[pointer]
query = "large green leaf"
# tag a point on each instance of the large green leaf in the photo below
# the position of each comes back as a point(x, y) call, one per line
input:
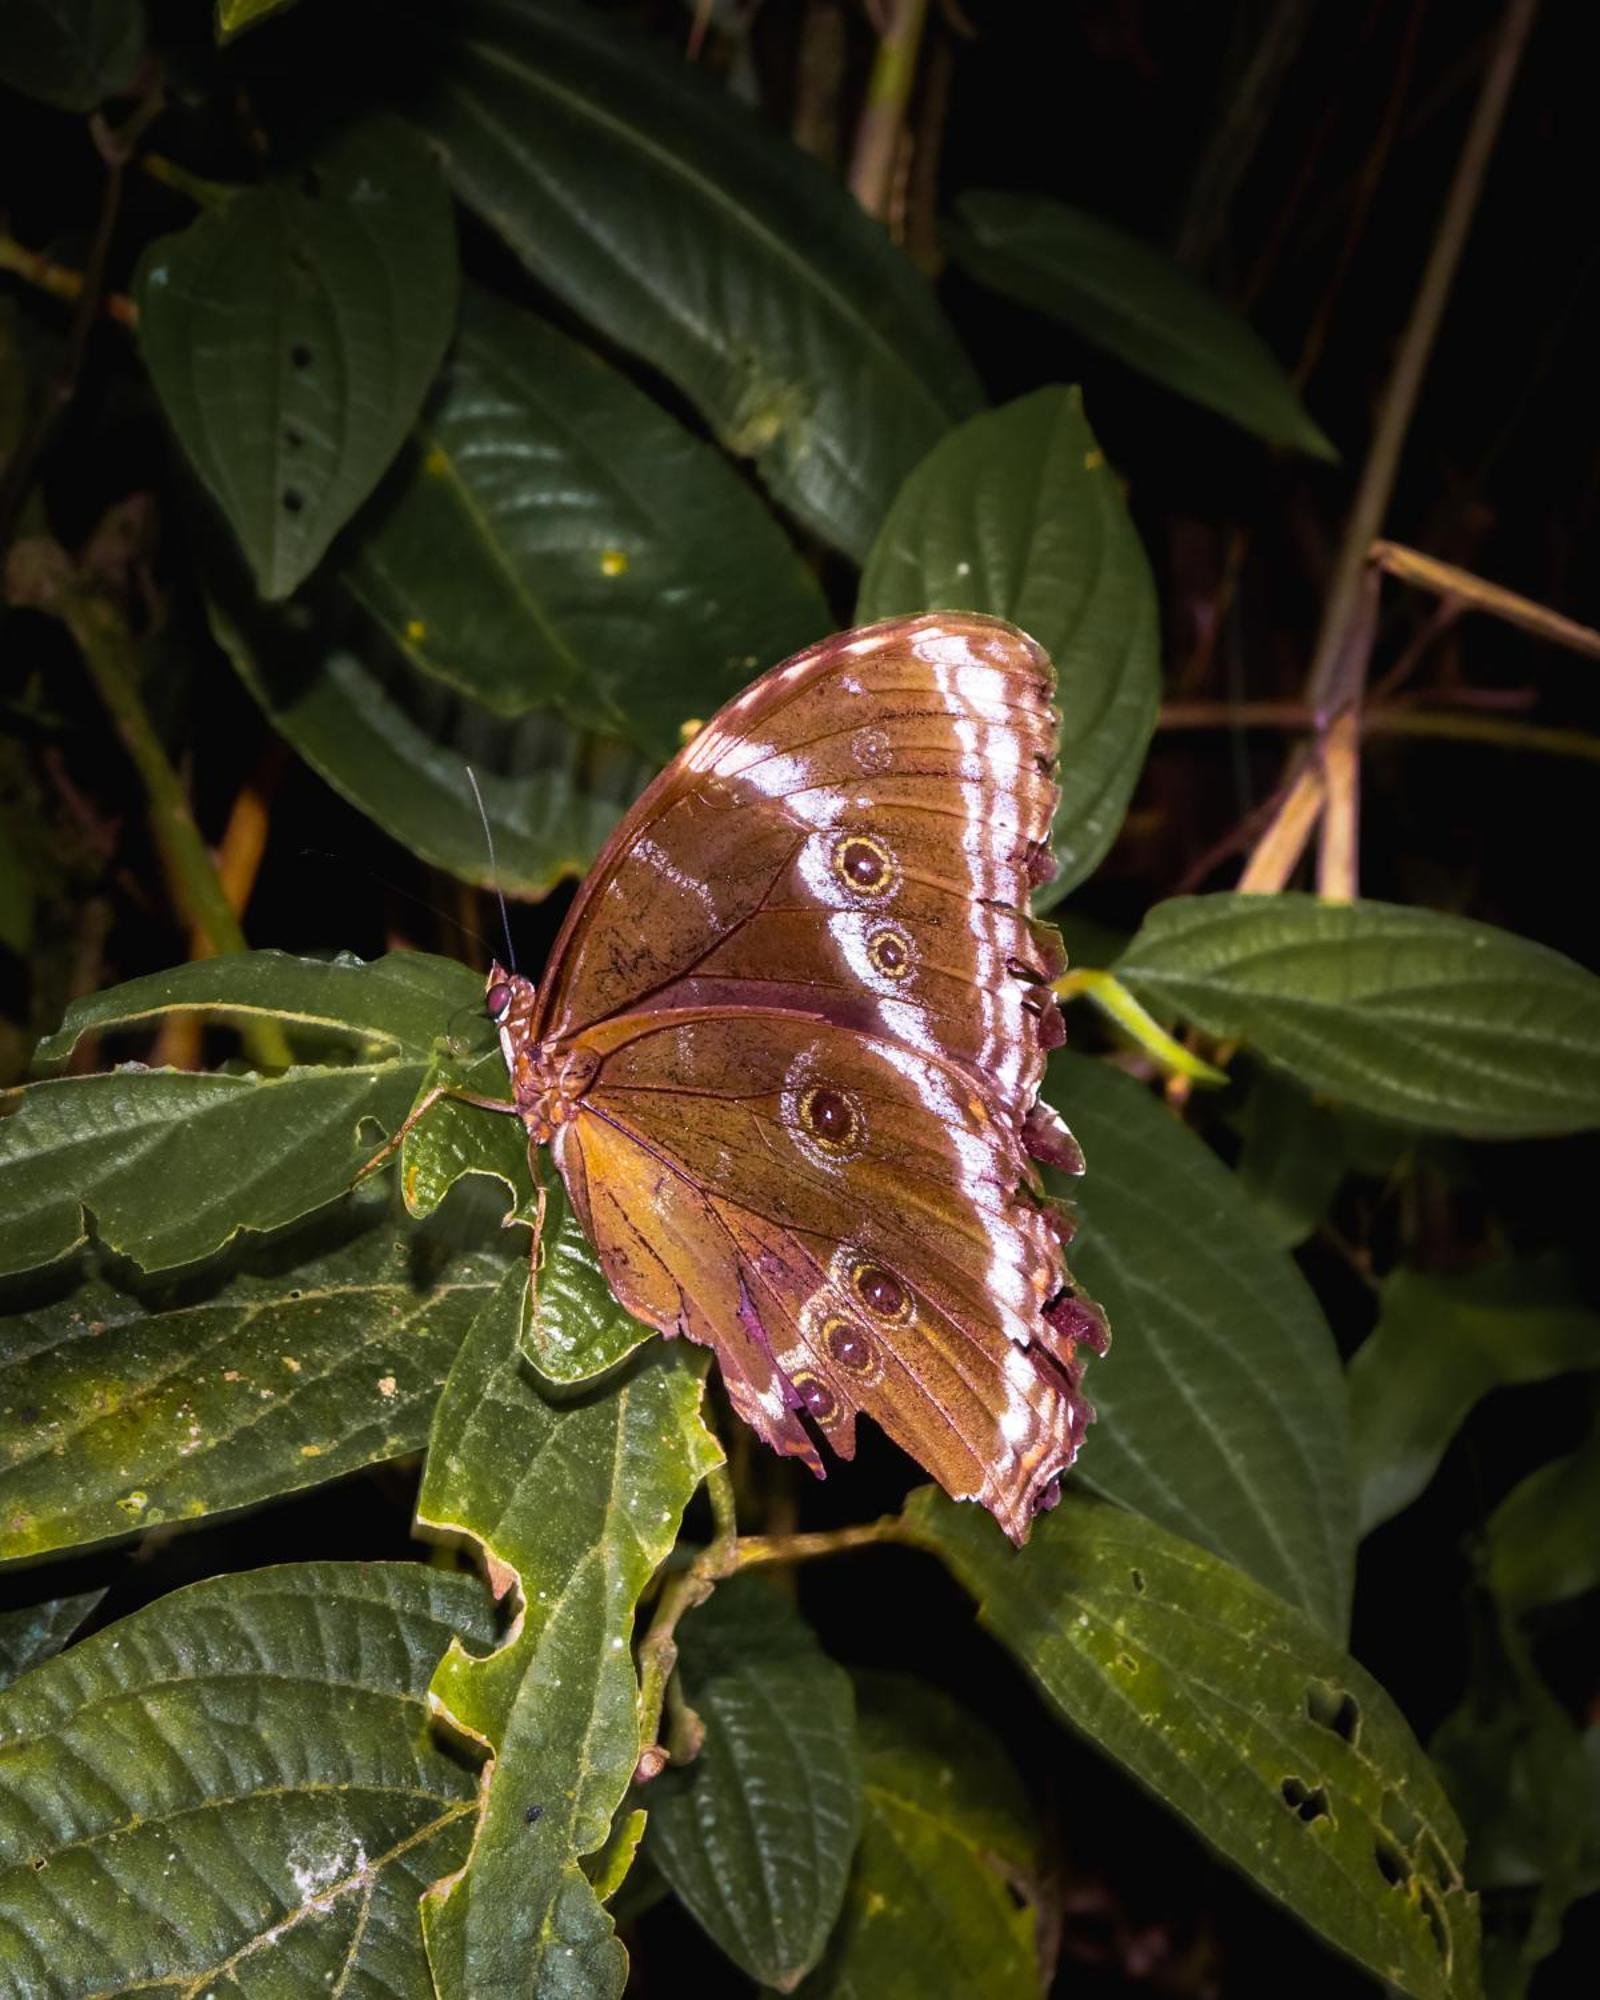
point(1220, 1405)
point(1238, 1712)
point(756, 1835)
point(1430, 1019)
point(938, 1899)
point(1018, 514)
point(1292, 1157)
point(398, 746)
point(1129, 299)
point(292, 334)
point(660, 209)
point(171, 1164)
point(1543, 1543)
point(401, 1001)
point(573, 1506)
point(1441, 1344)
point(236, 1789)
point(551, 538)
point(38, 1632)
point(126, 1407)
point(1526, 1783)
point(70, 53)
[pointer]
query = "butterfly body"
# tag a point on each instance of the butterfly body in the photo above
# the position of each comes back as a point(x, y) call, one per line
point(788, 1050)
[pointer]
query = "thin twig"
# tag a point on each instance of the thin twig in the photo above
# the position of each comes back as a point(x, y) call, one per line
point(1277, 853)
point(1326, 691)
point(658, 1649)
point(894, 68)
point(1462, 588)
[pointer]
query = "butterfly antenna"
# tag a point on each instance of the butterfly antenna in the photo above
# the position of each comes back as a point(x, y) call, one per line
point(494, 869)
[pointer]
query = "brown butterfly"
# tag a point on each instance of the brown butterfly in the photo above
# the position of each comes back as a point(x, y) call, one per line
point(788, 1049)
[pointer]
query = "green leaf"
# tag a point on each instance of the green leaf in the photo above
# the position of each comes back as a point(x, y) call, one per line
point(1526, 1783)
point(939, 1897)
point(700, 239)
point(127, 1406)
point(551, 538)
point(38, 1632)
point(234, 17)
point(171, 1164)
point(397, 746)
point(1220, 1405)
point(1442, 1343)
point(1542, 1544)
point(576, 1331)
point(756, 1835)
point(1239, 1713)
point(16, 893)
point(1291, 1160)
point(71, 53)
point(237, 1784)
point(1018, 514)
point(1138, 305)
point(574, 1506)
point(401, 1002)
point(1432, 1020)
point(292, 333)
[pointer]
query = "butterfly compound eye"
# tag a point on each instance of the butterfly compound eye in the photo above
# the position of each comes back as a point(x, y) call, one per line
point(498, 1001)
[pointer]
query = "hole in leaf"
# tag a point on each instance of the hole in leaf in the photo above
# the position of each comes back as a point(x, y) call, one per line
point(1309, 1801)
point(300, 355)
point(1392, 1864)
point(39, 1861)
point(293, 500)
point(1334, 1709)
point(1435, 1864)
point(1136, 1578)
point(293, 438)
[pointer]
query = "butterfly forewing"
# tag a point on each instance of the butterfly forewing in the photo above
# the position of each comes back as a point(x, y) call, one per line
point(820, 1014)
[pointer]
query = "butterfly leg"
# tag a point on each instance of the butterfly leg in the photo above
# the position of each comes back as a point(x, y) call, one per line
point(398, 1137)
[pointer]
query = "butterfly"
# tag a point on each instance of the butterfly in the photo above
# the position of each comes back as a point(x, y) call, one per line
point(787, 1053)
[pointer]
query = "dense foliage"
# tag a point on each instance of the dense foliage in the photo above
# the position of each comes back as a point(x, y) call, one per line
point(389, 391)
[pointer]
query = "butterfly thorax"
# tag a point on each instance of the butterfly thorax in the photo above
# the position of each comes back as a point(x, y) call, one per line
point(548, 1078)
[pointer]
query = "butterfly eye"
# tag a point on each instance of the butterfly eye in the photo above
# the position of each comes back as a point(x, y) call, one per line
point(498, 1001)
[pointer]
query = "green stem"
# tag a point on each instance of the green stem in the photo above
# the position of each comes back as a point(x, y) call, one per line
point(107, 646)
point(754, 1549)
point(205, 193)
point(1115, 1001)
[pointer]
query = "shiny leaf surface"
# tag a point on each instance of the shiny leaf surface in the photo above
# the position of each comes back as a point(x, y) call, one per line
point(575, 1521)
point(1220, 1405)
point(700, 239)
point(1442, 1343)
point(236, 1786)
point(1433, 1020)
point(1138, 305)
point(292, 333)
point(939, 1896)
point(1017, 513)
point(1242, 1716)
point(756, 1835)
point(552, 539)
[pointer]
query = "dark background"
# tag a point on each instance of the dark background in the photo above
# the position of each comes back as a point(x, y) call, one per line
point(1115, 106)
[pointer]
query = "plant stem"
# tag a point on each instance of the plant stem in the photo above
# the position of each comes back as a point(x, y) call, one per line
point(883, 116)
point(1437, 724)
point(1325, 689)
point(658, 1649)
point(102, 635)
point(757, 1549)
point(1277, 853)
point(1460, 587)
point(204, 193)
point(1118, 1004)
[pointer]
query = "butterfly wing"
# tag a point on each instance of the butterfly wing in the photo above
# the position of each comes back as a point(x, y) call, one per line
point(851, 1226)
point(831, 881)
point(855, 835)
